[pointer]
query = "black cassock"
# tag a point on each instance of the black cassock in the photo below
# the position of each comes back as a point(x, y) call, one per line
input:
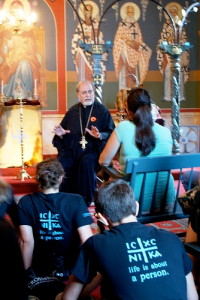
point(80, 165)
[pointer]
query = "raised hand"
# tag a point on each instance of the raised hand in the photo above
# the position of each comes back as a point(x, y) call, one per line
point(94, 131)
point(59, 131)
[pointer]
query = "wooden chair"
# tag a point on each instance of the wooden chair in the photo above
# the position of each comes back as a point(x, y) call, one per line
point(176, 164)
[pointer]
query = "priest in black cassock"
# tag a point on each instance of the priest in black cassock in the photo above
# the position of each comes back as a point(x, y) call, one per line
point(79, 139)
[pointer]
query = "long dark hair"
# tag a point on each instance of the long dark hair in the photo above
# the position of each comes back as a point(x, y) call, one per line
point(139, 103)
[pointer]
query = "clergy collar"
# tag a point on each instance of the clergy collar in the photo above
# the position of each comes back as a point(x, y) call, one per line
point(85, 106)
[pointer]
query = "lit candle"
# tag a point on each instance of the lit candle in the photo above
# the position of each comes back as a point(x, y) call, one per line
point(35, 86)
point(1, 87)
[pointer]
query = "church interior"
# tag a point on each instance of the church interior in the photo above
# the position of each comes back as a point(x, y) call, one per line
point(118, 45)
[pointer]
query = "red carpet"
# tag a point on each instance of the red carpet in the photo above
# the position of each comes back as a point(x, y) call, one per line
point(175, 226)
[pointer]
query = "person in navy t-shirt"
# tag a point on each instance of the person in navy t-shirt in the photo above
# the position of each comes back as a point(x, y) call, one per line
point(135, 261)
point(53, 225)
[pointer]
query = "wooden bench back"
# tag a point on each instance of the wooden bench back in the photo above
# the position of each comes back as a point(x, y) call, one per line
point(167, 164)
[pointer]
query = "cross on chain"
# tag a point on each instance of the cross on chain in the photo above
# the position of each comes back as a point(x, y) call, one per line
point(83, 142)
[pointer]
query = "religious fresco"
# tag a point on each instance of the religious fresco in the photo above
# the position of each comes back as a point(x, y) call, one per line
point(22, 56)
point(87, 32)
point(28, 56)
point(149, 22)
point(45, 40)
point(135, 57)
point(130, 54)
point(167, 34)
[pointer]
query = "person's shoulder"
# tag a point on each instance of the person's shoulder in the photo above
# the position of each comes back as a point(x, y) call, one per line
point(69, 196)
point(99, 238)
point(73, 108)
point(125, 124)
point(107, 237)
point(168, 235)
point(163, 236)
point(100, 108)
point(28, 198)
point(70, 116)
point(161, 128)
point(99, 105)
point(25, 198)
point(73, 199)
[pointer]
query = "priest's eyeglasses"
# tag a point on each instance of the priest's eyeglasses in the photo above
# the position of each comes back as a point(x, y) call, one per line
point(86, 92)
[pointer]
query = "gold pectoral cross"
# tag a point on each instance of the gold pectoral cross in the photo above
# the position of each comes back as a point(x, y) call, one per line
point(83, 142)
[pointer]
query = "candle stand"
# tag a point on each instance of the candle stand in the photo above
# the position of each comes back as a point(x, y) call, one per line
point(175, 51)
point(22, 174)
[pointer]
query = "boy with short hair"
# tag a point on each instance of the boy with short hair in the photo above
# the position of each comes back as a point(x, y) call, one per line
point(136, 261)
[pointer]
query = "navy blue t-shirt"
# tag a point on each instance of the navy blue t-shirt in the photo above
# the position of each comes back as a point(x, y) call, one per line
point(54, 219)
point(136, 262)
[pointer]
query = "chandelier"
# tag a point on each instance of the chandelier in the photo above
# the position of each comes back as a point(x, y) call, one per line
point(17, 17)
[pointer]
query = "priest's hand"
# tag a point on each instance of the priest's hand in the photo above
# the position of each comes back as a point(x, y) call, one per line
point(59, 131)
point(94, 132)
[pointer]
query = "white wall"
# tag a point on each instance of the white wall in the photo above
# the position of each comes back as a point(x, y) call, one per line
point(49, 121)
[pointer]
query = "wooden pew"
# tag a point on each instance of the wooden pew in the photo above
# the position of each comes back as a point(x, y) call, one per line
point(156, 165)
